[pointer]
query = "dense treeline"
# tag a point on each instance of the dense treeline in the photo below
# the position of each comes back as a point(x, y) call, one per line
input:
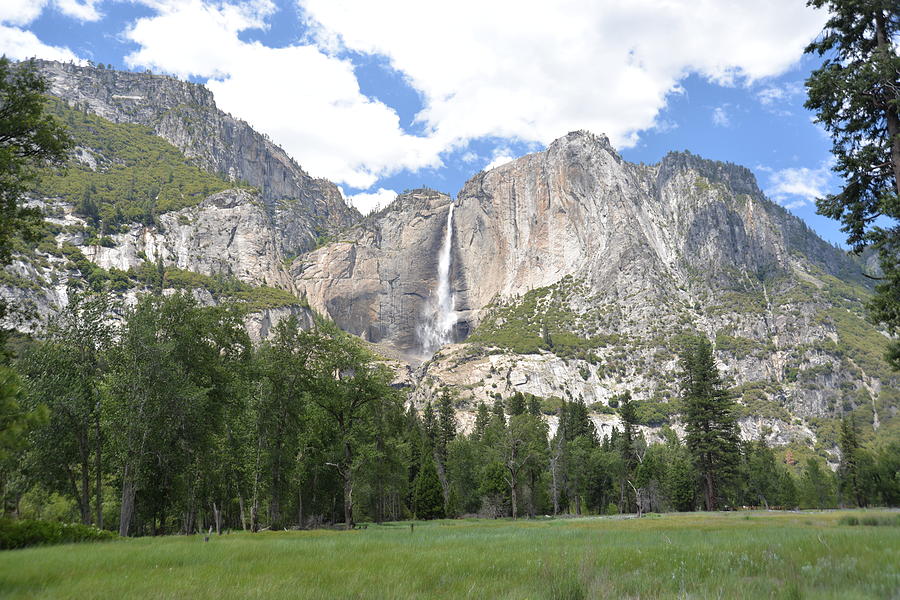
point(167, 419)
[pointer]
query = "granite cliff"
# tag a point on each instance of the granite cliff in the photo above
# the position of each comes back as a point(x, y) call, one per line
point(570, 273)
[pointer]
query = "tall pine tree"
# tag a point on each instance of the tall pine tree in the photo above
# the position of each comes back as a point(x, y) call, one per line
point(708, 413)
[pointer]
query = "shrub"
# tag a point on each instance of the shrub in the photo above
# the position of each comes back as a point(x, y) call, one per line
point(22, 534)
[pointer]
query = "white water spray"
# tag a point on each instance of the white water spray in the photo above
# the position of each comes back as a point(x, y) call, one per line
point(440, 316)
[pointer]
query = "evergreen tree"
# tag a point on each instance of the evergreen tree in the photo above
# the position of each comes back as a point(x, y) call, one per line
point(815, 486)
point(446, 423)
point(482, 418)
point(429, 425)
point(849, 469)
point(29, 139)
point(534, 405)
point(710, 423)
point(856, 97)
point(516, 404)
point(429, 495)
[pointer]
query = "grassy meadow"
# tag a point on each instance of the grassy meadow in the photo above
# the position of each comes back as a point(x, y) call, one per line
point(699, 555)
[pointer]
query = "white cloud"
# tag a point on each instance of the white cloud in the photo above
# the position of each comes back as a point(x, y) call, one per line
point(20, 12)
point(774, 94)
point(523, 70)
point(371, 201)
point(796, 187)
point(720, 117)
point(501, 156)
point(19, 45)
point(533, 70)
point(83, 10)
point(305, 99)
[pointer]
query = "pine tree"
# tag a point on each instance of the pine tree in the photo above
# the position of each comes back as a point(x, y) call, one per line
point(856, 97)
point(534, 405)
point(429, 497)
point(516, 404)
point(482, 418)
point(446, 426)
point(848, 470)
point(708, 413)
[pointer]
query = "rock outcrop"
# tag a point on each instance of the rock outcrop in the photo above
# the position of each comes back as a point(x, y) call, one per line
point(594, 267)
point(185, 115)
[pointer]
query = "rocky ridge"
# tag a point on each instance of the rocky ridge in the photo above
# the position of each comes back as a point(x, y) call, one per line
point(185, 114)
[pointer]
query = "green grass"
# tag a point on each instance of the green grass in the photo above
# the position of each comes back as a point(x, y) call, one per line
point(736, 555)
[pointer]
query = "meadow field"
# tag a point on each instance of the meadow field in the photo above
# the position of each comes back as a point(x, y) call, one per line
point(695, 555)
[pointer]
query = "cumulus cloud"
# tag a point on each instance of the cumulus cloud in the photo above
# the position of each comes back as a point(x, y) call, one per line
point(501, 156)
point(306, 99)
point(720, 117)
point(20, 12)
point(368, 202)
point(533, 70)
point(521, 70)
point(796, 187)
point(20, 44)
point(84, 10)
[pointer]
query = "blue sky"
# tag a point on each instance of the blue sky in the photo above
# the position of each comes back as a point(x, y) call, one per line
point(385, 96)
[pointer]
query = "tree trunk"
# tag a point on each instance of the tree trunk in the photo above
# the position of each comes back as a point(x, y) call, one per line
point(98, 467)
point(348, 498)
point(127, 508)
point(710, 491)
point(243, 513)
point(217, 517)
point(300, 507)
point(554, 478)
point(85, 502)
point(532, 485)
point(347, 473)
point(512, 492)
point(442, 477)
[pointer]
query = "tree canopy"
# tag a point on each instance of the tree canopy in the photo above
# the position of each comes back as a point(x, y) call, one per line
point(856, 97)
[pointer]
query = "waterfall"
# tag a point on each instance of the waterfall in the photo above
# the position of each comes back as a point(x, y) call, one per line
point(440, 316)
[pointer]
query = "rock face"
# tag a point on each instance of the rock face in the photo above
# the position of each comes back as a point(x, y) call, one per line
point(378, 280)
point(614, 261)
point(185, 115)
point(228, 234)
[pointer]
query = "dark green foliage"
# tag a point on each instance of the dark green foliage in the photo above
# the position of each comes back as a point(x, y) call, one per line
point(64, 373)
point(857, 472)
point(856, 97)
point(137, 175)
point(22, 534)
point(482, 418)
point(708, 413)
point(516, 405)
point(446, 425)
point(429, 498)
point(681, 483)
point(816, 486)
